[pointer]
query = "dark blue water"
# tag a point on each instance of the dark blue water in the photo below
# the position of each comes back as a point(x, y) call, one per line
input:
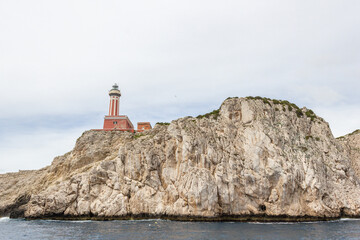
point(159, 229)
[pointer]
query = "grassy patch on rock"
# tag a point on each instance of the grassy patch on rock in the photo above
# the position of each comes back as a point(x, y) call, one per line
point(310, 114)
point(214, 114)
point(350, 134)
point(138, 135)
point(285, 105)
point(163, 123)
point(355, 132)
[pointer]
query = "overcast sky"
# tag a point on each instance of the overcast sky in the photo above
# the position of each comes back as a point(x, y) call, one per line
point(58, 59)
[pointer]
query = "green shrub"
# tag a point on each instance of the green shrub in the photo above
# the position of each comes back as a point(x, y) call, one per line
point(354, 132)
point(215, 114)
point(254, 98)
point(294, 106)
point(276, 101)
point(136, 136)
point(163, 123)
point(266, 101)
point(299, 113)
point(304, 149)
point(284, 103)
point(310, 114)
point(231, 98)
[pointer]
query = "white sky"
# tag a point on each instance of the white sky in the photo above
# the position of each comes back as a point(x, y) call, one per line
point(58, 59)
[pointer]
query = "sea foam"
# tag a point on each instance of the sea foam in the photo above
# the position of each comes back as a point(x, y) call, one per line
point(4, 219)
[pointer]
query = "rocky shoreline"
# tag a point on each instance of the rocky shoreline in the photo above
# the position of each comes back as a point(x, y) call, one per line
point(253, 159)
point(225, 218)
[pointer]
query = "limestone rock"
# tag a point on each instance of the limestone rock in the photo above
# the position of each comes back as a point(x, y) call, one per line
point(351, 144)
point(253, 157)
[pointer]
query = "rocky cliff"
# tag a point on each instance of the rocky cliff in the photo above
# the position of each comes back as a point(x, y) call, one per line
point(351, 144)
point(253, 159)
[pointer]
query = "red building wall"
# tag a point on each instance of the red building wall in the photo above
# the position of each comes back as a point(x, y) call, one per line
point(118, 123)
point(142, 126)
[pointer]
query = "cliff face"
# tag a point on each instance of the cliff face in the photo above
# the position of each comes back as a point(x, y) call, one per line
point(351, 144)
point(252, 157)
point(14, 189)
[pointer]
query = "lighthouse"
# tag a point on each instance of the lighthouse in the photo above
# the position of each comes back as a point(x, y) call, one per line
point(114, 105)
point(114, 121)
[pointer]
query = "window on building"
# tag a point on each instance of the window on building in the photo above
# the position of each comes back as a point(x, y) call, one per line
point(114, 122)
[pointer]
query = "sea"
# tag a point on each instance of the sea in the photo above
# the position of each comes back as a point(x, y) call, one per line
point(164, 229)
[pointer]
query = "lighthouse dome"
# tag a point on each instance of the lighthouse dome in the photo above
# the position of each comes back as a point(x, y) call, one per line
point(115, 90)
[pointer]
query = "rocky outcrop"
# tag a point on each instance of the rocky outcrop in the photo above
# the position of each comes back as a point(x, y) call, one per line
point(14, 189)
point(351, 144)
point(251, 159)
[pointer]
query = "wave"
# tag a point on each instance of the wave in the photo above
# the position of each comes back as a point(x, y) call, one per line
point(82, 221)
point(305, 222)
point(4, 219)
point(115, 220)
point(63, 220)
point(349, 219)
point(263, 223)
point(147, 220)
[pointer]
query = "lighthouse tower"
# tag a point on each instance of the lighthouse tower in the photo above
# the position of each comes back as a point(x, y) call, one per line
point(114, 121)
point(114, 105)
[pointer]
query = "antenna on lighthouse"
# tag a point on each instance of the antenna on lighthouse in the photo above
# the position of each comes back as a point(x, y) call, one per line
point(115, 86)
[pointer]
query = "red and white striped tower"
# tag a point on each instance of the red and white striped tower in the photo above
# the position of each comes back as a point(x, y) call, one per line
point(114, 105)
point(114, 121)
